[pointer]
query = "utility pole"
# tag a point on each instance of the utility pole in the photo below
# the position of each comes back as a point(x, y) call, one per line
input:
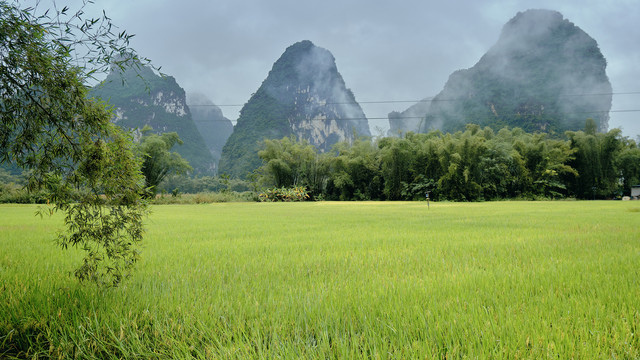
point(427, 200)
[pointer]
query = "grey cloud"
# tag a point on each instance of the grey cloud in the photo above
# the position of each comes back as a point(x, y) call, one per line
point(385, 50)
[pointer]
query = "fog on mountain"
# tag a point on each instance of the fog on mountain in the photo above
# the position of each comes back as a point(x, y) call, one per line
point(544, 74)
point(303, 96)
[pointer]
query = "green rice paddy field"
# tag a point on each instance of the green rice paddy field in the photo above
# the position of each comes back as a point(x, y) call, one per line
point(379, 280)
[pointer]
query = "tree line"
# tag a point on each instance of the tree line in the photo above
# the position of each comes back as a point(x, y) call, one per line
point(471, 165)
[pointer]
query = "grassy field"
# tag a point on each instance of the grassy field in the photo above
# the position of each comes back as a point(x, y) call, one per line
point(337, 280)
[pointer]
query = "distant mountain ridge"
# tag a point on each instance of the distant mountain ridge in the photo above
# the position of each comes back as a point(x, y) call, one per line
point(213, 126)
point(303, 96)
point(141, 97)
point(409, 120)
point(540, 76)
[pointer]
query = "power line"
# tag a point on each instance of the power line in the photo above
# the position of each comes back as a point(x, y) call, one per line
point(422, 117)
point(426, 100)
point(603, 94)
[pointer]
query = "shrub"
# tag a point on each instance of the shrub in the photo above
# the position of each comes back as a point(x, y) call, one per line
point(204, 198)
point(16, 194)
point(298, 193)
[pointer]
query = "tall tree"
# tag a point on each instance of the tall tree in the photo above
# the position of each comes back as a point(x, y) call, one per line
point(157, 159)
point(628, 162)
point(595, 162)
point(395, 157)
point(290, 163)
point(50, 126)
point(355, 171)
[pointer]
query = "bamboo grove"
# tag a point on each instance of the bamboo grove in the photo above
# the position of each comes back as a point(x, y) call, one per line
point(472, 165)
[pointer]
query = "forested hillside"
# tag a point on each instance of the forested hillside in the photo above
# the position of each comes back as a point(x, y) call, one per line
point(304, 95)
point(141, 97)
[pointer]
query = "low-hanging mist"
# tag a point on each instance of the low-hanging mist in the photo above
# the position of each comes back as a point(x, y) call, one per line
point(543, 74)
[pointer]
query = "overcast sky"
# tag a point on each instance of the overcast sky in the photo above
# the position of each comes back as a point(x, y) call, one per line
point(385, 50)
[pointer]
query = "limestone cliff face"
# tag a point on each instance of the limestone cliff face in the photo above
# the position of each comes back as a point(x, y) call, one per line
point(140, 97)
point(169, 102)
point(303, 96)
point(325, 119)
point(543, 74)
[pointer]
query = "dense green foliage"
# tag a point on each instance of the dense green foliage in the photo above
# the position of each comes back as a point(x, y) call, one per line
point(143, 98)
point(200, 184)
point(49, 126)
point(544, 74)
point(331, 280)
point(299, 193)
point(304, 95)
point(477, 164)
point(288, 163)
point(204, 198)
point(157, 159)
point(12, 190)
point(261, 117)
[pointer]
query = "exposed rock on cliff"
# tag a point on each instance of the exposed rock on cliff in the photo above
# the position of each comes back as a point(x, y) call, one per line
point(304, 96)
point(140, 97)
